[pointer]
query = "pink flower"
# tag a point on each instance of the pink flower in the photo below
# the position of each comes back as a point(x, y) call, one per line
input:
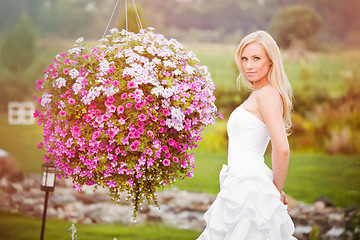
point(111, 184)
point(71, 101)
point(164, 148)
point(166, 112)
point(166, 162)
point(111, 108)
point(131, 84)
point(149, 98)
point(77, 170)
point(62, 113)
point(93, 104)
point(86, 56)
point(134, 145)
point(120, 109)
point(171, 142)
point(110, 99)
point(150, 134)
point(123, 96)
point(95, 135)
point(75, 131)
point(77, 187)
point(142, 117)
point(115, 83)
point(111, 69)
point(138, 106)
point(190, 174)
point(150, 162)
point(220, 116)
point(131, 182)
point(66, 71)
point(39, 82)
point(167, 155)
point(175, 159)
point(128, 105)
point(184, 164)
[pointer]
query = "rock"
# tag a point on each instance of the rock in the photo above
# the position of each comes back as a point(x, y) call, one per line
point(326, 201)
point(16, 176)
point(303, 230)
point(27, 205)
point(320, 206)
point(8, 165)
point(334, 233)
point(336, 217)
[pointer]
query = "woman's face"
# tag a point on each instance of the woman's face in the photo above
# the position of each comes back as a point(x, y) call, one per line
point(255, 62)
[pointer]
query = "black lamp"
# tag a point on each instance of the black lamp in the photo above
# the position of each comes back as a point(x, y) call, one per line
point(47, 185)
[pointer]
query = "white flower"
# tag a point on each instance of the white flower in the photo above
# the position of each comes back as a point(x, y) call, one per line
point(104, 66)
point(76, 88)
point(45, 99)
point(157, 90)
point(60, 82)
point(74, 73)
point(114, 30)
point(79, 40)
point(139, 49)
point(61, 104)
point(177, 72)
point(75, 50)
point(168, 63)
point(189, 69)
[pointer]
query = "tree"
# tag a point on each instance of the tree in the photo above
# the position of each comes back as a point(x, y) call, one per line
point(293, 24)
point(18, 46)
point(133, 22)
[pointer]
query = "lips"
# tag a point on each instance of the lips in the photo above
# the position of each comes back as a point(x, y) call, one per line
point(250, 73)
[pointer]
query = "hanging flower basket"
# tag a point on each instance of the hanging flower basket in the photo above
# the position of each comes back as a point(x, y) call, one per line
point(125, 113)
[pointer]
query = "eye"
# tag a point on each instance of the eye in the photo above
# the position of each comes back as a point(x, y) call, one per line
point(256, 58)
point(243, 58)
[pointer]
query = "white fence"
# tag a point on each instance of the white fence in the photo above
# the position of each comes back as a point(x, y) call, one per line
point(21, 113)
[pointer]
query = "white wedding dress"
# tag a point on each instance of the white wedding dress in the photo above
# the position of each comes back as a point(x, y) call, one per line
point(248, 205)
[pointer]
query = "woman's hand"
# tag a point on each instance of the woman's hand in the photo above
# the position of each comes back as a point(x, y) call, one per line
point(284, 199)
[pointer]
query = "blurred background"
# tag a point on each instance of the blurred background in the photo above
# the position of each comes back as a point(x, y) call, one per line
point(320, 45)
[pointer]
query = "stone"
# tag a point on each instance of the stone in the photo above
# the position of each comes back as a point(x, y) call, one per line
point(27, 205)
point(336, 217)
point(8, 165)
point(303, 230)
point(320, 206)
point(334, 233)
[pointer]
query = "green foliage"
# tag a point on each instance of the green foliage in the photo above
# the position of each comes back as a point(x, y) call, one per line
point(293, 23)
point(132, 19)
point(314, 234)
point(18, 46)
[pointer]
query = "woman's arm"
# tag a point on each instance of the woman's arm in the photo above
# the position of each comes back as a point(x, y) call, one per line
point(270, 107)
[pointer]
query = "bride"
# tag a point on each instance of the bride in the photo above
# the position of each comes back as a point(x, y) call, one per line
point(251, 204)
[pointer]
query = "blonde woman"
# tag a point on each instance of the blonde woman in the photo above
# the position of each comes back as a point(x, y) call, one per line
point(251, 204)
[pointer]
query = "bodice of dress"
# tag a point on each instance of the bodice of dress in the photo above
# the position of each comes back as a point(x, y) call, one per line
point(248, 137)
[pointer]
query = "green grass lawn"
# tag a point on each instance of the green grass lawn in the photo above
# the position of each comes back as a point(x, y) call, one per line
point(15, 226)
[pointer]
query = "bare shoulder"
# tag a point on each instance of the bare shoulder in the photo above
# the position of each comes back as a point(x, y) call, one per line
point(268, 96)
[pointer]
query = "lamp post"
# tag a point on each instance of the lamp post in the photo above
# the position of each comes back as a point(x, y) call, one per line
point(47, 185)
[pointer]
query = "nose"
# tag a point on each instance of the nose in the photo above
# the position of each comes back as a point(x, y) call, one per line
point(249, 64)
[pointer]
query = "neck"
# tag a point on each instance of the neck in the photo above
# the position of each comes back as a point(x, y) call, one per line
point(259, 84)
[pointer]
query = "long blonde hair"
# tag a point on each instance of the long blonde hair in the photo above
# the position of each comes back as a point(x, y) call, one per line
point(276, 75)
